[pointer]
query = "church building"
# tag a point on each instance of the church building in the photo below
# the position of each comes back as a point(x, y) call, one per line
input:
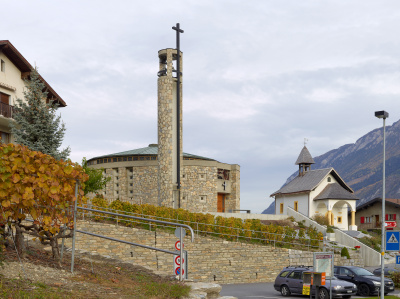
point(162, 174)
point(317, 192)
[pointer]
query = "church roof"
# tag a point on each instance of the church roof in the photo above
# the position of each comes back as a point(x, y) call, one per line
point(305, 157)
point(309, 181)
point(335, 191)
point(151, 150)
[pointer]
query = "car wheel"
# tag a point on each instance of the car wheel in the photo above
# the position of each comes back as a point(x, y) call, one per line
point(285, 290)
point(323, 294)
point(363, 290)
point(385, 294)
point(346, 297)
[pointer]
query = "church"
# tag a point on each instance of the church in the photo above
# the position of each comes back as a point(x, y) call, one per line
point(317, 192)
point(162, 174)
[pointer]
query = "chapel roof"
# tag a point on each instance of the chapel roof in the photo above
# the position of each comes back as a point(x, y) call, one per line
point(304, 157)
point(335, 191)
point(309, 181)
point(25, 68)
point(151, 150)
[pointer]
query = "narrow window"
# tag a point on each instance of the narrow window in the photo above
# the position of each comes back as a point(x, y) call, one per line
point(281, 208)
point(296, 206)
point(339, 219)
point(329, 179)
point(3, 66)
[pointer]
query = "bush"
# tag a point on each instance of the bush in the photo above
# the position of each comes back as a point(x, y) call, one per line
point(345, 252)
point(330, 229)
point(321, 219)
point(395, 276)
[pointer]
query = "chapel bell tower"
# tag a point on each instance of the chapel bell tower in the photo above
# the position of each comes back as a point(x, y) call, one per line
point(169, 118)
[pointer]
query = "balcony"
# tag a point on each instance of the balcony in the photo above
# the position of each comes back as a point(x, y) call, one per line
point(6, 110)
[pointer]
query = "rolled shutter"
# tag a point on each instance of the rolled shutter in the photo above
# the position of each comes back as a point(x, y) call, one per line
point(362, 219)
point(394, 216)
point(387, 217)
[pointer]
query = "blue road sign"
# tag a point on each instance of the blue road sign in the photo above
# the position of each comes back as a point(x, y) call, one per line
point(397, 259)
point(392, 241)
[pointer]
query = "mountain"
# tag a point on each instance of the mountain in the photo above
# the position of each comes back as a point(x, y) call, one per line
point(360, 165)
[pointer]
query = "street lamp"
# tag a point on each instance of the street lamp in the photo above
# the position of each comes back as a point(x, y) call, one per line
point(383, 114)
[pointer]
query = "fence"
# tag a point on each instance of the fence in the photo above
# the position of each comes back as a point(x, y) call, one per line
point(230, 233)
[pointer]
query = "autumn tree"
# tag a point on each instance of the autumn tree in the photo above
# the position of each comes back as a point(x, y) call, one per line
point(36, 185)
point(96, 179)
point(36, 123)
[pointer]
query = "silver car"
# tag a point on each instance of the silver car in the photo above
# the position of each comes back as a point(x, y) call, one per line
point(290, 281)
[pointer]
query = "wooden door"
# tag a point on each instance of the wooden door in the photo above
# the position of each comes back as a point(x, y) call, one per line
point(4, 104)
point(221, 203)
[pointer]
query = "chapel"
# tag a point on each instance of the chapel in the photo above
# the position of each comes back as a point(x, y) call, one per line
point(317, 192)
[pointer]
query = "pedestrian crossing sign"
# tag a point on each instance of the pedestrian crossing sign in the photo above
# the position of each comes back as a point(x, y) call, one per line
point(392, 240)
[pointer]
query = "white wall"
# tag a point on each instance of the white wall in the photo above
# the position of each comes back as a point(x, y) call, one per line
point(288, 201)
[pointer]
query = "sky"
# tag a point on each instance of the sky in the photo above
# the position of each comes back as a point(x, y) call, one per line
point(258, 76)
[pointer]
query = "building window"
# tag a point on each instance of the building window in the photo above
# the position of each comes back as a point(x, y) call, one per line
point(281, 208)
point(3, 66)
point(131, 191)
point(202, 198)
point(223, 174)
point(131, 184)
point(339, 219)
point(329, 179)
point(202, 176)
point(184, 176)
point(131, 177)
point(5, 137)
point(115, 159)
point(296, 206)
point(390, 217)
point(129, 158)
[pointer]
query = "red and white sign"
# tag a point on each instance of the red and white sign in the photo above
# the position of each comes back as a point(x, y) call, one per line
point(178, 260)
point(178, 245)
point(177, 270)
point(390, 224)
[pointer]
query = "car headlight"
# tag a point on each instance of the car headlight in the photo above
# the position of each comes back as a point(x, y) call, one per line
point(354, 286)
point(337, 287)
point(376, 283)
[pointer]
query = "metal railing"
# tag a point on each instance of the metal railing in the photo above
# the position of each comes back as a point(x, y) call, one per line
point(6, 110)
point(204, 229)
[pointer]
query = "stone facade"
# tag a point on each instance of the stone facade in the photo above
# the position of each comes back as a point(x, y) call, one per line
point(137, 182)
point(209, 259)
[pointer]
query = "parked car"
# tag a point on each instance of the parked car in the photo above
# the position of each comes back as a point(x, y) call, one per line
point(367, 283)
point(290, 281)
point(386, 271)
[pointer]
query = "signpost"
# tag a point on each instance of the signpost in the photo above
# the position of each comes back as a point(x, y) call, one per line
point(180, 268)
point(392, 240)
point(323, 262)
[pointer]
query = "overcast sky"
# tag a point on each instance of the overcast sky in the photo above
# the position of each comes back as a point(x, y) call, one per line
point(258, 76)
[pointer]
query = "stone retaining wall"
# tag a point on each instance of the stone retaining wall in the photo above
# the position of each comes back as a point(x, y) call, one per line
point(210, 259)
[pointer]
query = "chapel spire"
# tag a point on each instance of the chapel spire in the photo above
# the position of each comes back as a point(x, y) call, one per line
point(304, 161)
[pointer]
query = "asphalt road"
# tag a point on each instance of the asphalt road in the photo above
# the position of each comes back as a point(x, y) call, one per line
point(261, 290)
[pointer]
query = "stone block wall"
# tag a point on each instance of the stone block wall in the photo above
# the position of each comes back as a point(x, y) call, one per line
point(209, 259)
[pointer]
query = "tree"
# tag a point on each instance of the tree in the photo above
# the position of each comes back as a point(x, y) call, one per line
point(37, 185)
point(96, 179)
point(36, 124)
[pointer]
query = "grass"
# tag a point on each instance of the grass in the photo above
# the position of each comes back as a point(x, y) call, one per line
point(95, 278)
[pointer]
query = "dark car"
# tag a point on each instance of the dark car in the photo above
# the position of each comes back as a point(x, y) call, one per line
point(387, 271)
point(290, 281)
point(367, 283)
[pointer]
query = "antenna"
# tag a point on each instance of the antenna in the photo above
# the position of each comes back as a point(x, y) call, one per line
point(305, 141)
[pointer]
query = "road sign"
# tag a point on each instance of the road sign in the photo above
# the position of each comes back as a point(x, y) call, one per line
point(397, 259)
point(390, 224)
point(392, 241)
point(178, 245)
point(178, 232)
point(178, 266)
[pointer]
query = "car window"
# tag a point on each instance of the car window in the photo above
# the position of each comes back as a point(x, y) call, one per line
point(295, 275)
point(362, 272)
point(284, 273)
point(345, 272)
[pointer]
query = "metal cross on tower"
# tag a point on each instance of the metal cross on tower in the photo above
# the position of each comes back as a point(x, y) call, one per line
point(178, 95)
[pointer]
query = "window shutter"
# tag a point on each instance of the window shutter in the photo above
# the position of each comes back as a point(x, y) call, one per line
point(394, 216)
point(386, 217)
point(362, 220)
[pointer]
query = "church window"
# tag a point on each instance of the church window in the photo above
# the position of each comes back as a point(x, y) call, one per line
point(3, 66)
point(296, 206)
point(339, 219)
point(281, 208)
point(329, 179)
point(223, 174)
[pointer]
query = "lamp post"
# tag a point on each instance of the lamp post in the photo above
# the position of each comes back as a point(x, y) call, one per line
point(383, 114)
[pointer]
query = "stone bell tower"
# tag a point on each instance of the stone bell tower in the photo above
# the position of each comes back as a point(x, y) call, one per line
point(169, 164)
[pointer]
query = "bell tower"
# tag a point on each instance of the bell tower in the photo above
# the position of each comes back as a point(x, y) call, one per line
point(169, 119)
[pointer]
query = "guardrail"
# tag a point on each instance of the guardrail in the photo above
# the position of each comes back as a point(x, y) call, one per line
point(230, 233)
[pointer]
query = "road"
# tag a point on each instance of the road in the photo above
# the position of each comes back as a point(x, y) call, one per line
point(261, 290)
